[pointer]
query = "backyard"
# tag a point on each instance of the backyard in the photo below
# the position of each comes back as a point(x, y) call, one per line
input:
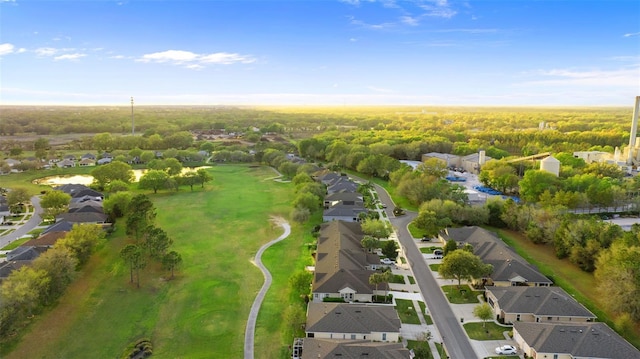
point(203, 311)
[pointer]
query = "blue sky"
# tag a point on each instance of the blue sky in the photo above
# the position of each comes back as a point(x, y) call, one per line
point(350, 52)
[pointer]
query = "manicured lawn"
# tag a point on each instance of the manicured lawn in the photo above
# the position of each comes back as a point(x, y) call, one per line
point(415, 231)
point(15, 244)
point(407, 312)
point(423, 308)
point(434, 267)
point(411, 279)
point(412, 344)
point(202, 312)
point(25, 179)
point(491, 331)
point(461, 295)
point(398, 279)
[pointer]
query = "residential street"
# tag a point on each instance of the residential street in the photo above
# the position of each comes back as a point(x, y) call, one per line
point(32, 223)
point(455, 339)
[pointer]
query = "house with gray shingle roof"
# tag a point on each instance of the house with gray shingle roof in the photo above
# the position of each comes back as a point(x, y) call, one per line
point(536, 304)
point(572, 341)
point(378, 323)
point(61, 226)
point(343, 212)
point(341, 186)
point(352, 349)
point(347, 198)
point(509, 268)
point(83, 217)
point(343, 266)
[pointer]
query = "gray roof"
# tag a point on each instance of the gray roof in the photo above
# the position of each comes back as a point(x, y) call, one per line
point(83, 217)
point(71, 188)
point(540, 301)
point(344, 196)
point(342, 186)
point(352, 349)
point(508, 266)
point(351, 318)
point(584, 340)
point(25, 253)
point(342, 210)
point(86, 209)
point(61, 226)
point(88, 202)
point(341, 261)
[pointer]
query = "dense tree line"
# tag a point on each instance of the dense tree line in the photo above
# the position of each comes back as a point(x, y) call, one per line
point(30, 289)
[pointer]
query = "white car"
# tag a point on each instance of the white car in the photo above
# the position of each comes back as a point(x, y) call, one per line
point(387, 261)
point(506, 350)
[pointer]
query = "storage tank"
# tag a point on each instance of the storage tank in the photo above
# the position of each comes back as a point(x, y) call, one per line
point(551, 165)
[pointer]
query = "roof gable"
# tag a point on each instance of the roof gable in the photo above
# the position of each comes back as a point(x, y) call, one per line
point(351, 318)
point(584, 340)
point(541, 301)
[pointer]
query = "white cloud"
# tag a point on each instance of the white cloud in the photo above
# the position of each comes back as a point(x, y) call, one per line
point(46, 51)
point(226, 58)
point(365, 25)
point(192, 60)
point(6, 48)
point(117, 57)
point(632, 34)
point(411, 21)
point(438, 8)
point(626, 77)
point(176, 56)
point(69, 56)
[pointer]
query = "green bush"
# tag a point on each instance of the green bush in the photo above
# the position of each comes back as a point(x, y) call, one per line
point(333, 300)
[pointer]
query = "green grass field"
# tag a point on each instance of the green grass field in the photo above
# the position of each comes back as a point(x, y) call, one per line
point(202, 312)
point(490, 331)
point(407, 312)
point(461, 295)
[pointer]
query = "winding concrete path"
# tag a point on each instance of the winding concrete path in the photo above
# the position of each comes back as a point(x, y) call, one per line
point(255, 308)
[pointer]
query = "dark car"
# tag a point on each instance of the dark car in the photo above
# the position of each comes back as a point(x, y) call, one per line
point(425, 239)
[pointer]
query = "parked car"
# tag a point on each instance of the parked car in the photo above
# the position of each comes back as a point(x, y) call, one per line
point(387, 261)
point(425, 239)
point(506, 350)
point(437, 254)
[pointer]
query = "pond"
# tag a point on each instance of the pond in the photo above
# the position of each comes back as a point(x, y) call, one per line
point(88, 179)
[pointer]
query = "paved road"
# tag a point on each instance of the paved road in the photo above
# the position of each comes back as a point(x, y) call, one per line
point(455, 339)
point(255, 308)
point(32, 223)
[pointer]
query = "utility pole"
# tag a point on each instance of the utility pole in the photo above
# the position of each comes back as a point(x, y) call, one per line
point(133, 127)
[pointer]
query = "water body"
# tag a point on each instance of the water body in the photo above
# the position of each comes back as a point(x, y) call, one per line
point(88, 179)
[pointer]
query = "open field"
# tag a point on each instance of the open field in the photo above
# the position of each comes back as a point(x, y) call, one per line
point(202, 312)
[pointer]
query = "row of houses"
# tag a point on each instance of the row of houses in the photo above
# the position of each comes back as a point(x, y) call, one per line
point(342, 202)
point(85, 207)
point(68, 161)
point(354, 328)
point(547, 321)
